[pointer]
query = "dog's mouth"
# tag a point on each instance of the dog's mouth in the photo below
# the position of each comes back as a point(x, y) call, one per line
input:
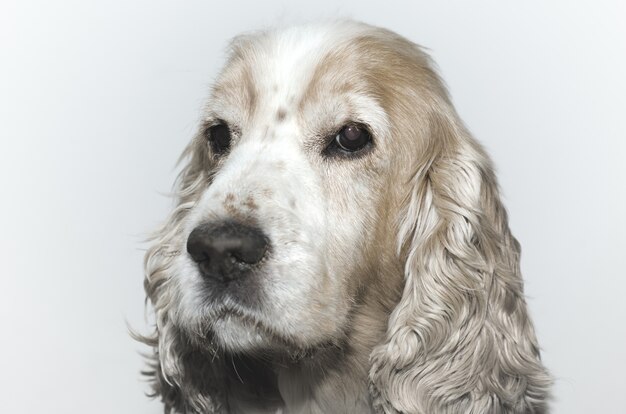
point(235, 323)
point(228, 313)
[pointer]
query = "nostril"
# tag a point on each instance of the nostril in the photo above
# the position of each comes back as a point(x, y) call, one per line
point(248, 245)
point(198, 245)
point(223, 249)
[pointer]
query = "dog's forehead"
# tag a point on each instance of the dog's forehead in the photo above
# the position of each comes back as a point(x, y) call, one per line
point(274, 73)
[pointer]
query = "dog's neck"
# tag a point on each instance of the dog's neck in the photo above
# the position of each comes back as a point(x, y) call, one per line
point(330, 380)
point(298, 389)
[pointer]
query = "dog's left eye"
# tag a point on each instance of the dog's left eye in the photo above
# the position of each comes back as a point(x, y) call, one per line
point(219, 137)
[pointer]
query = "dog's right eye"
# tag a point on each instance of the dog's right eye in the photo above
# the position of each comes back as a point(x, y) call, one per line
point(219, 137)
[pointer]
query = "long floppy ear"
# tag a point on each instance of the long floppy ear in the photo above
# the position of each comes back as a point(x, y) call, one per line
point(460, 339)
point(185, 380)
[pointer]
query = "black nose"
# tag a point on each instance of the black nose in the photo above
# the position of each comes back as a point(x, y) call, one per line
point(226, 250)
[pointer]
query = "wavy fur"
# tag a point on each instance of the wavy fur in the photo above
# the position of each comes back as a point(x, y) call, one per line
point(445, 284)
point(460, 339)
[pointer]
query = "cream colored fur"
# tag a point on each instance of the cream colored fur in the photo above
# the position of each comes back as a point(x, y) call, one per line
point(394, 283)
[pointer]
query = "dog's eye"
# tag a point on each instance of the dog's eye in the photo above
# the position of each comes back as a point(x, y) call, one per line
point(219, 136)
point(352, 138)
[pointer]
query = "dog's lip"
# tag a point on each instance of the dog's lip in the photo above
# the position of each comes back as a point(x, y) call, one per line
point(246, 316)
point(226, 309)
point(251, 321)
point(295, 351)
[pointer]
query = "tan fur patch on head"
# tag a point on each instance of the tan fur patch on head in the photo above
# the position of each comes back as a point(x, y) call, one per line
point(237, 85)
point(388, 68)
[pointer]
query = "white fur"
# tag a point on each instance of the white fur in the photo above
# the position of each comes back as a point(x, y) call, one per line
point(296, 217)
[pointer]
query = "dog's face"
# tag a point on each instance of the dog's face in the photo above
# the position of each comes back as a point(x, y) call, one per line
point(333, 196)
point(287, 223)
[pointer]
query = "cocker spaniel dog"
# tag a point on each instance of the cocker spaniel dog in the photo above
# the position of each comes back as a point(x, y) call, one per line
point(338, 243)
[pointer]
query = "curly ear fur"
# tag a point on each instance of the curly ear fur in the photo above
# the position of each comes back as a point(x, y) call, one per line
point(460, 339)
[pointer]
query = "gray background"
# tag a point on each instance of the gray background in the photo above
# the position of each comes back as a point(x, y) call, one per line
point(97, 100)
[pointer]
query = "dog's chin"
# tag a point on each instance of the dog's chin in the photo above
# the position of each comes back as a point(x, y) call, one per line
point(239, 332)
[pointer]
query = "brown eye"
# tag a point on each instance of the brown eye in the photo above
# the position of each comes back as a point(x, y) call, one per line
point(219, 136)
point(353, 138)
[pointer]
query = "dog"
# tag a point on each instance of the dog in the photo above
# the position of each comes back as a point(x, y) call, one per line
point(338, 243)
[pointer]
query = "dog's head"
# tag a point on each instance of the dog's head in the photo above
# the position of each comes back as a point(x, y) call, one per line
point(331, 163)
point(293, 187)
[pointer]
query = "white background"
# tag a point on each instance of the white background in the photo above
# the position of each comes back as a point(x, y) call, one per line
point(97, 100)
